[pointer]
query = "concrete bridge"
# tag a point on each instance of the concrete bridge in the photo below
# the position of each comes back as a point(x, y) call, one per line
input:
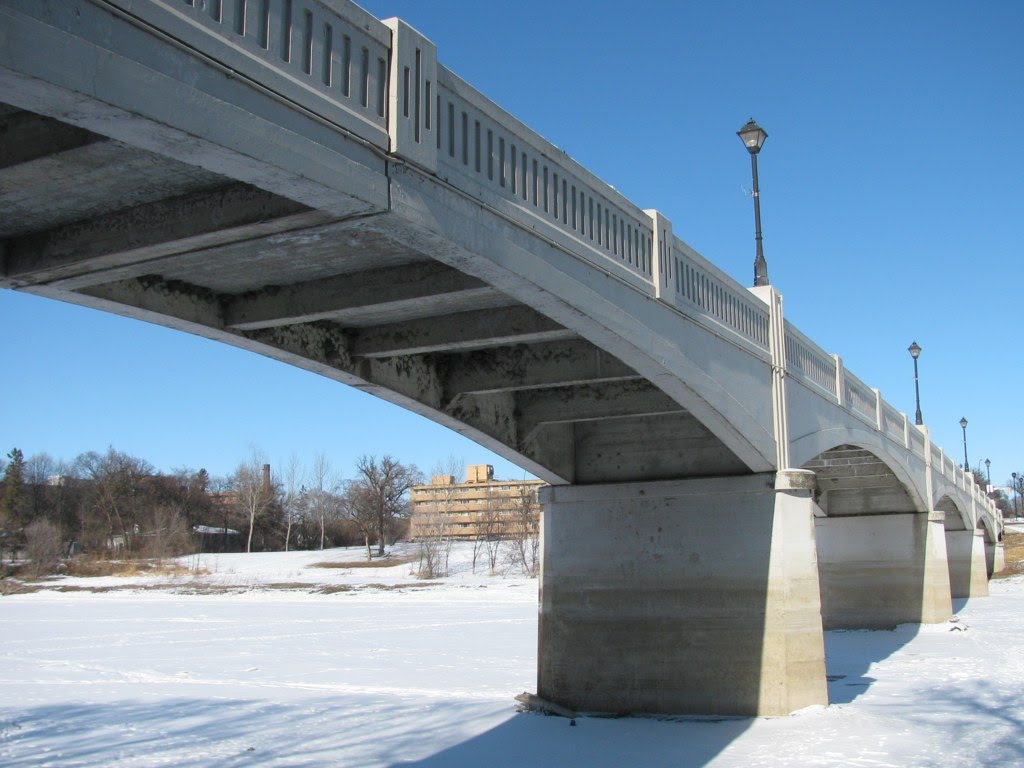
point(297, 178)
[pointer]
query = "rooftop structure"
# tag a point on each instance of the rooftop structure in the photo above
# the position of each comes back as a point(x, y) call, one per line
point(479, 507)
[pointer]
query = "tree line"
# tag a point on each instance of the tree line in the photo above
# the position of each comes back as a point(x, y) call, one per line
point(115, 503)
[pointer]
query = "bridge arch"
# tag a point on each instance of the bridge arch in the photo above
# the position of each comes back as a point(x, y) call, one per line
point(956, 516)
point(859, 473)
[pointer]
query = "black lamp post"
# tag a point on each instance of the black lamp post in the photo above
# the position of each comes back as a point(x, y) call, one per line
point(915, 351)
point(988, 472)
point(1014, 476)
point(752, 135)
point(963, 426)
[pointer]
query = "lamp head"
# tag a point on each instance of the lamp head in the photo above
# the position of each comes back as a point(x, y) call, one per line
point(914, 349)
point(752, 135)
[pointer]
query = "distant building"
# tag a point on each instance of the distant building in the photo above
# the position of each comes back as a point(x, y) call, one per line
point(481, 507)
point(218, 539)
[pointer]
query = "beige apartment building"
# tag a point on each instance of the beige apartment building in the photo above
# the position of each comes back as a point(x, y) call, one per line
point(480, 507)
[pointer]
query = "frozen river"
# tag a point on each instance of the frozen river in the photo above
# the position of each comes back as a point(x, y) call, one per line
point(381, 670)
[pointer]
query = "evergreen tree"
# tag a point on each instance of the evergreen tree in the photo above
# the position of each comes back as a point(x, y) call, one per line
point(14, 503)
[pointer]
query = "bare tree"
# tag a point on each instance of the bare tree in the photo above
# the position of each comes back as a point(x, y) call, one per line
point(434, 522)
point(252, 496)
point(523, 531)
point(163, 532)
point(322, 494)
point(378, 496)
point(291, 500)
point(39, 469)
point(43, 546)
point(115, 493)
point(490, 527)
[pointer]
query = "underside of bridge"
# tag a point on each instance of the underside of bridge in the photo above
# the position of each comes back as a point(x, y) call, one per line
point(853, 481)
point(94, 221)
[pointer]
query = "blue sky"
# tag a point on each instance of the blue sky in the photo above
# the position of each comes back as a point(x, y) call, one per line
point(890, 205)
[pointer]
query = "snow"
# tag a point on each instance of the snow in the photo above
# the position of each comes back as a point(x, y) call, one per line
point(266, 660)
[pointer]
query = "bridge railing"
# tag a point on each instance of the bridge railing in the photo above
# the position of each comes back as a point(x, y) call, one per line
point(812, 364)
point(699, 289)
point(485, 152)
point(328, 57)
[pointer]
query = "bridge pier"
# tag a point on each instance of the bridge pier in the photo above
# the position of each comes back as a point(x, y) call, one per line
point(878, 571)
point(995, 559)
point(683, 597)
point(968, 575)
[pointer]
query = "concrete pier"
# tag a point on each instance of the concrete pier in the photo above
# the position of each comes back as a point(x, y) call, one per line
point(878, 571)
point(995, 558)
point(965, 551)
point(692, 596)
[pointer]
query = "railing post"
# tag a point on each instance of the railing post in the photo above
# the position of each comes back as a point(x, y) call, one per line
point(840, 380)
point(777, 349)
point(662, 267)
point(929, 483)
point(412, 96)
point(878, 410)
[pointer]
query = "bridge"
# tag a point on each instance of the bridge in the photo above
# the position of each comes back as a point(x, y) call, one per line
point(300, 179)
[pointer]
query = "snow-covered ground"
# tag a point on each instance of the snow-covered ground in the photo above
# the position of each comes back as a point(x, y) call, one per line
point(266, 660)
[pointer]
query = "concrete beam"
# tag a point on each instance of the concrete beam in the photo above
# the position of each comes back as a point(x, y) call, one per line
point(493, 414)
point(154, 296)
point(872, 500)
point(854, 481)
point(553, 446)
point(393, 290)
point(80, 254)
point(413, 383)
point(461, 331)
point(659, 447)
point(28, 137)
point(591, 402)
point(541, 365)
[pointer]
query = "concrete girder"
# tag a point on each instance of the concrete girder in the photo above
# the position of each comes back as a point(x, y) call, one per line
point(461, 331)
point(853, 480)
point(402, 290)
point(86, 253)
point(90, 181)
point(991, 529)
point(590, 402)
point(152, 295)
point(494, 414)
point(809, 449)
point(553, 446)
point(955, 519)
point(951, 499)
point(29, 137)
point(413, 383)
point(647, 448)
point(327, 345)
point(540, 365)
